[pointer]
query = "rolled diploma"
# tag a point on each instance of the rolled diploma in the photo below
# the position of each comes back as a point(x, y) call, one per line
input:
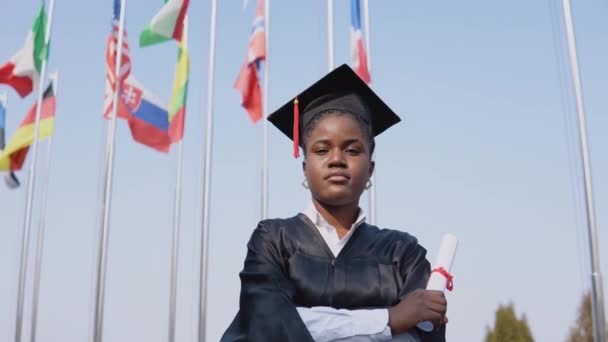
point(437, 281)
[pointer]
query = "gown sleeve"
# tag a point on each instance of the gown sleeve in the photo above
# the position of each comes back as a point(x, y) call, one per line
point(415, 270)
point(267, 312)
point(328, 324)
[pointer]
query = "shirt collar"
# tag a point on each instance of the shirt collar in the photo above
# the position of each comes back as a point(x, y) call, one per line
point(319, 221)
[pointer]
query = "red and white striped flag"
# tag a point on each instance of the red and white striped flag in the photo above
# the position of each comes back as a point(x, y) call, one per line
point(125, 63)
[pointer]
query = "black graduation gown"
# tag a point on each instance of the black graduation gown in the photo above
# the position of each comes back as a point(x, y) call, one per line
point(288, 265)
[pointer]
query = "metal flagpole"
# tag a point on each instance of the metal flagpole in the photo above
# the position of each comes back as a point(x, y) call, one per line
point(265, 122)
point(107, 189)
point(597, 296)
point(372, 190)
point(202, 309)
point(330, 34)
point(175, 246)
point(30, 185)
point(41, 225)
point(176, 222)
point(3, 102)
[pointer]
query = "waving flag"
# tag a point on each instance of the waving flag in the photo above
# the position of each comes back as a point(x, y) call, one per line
point(10, 178)
point(22, 71)
point(14, 153)
point(111, 52)
point(247, 83)
point(167, 24)
point(359, 56)
point(177, 106)
point(148, 119)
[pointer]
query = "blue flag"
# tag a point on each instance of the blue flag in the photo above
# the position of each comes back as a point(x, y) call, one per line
point(10, 179)
point(2, 120)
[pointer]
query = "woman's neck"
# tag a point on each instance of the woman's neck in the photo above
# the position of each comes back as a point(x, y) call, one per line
point(339, 217)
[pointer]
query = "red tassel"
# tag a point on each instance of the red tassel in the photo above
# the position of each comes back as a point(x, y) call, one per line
point(296, 129)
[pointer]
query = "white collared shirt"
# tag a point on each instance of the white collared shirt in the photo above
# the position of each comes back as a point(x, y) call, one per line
point(327, 324)
point(329, 233)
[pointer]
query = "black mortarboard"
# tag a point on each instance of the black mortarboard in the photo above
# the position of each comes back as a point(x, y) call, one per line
point(341, 89)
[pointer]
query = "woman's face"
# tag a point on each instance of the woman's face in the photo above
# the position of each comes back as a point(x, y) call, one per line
point(338, 163)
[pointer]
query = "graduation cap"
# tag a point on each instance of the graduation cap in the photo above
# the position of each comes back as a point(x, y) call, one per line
point(340, 90)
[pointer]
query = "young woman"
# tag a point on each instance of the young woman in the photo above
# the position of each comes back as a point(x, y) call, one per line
point(325, 274)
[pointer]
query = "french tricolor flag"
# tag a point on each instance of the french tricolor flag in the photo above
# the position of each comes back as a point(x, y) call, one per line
point(359, 56)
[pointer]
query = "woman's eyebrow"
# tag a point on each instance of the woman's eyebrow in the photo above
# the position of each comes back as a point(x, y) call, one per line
point(345, 142)
point(352, 141)
point(322, 141)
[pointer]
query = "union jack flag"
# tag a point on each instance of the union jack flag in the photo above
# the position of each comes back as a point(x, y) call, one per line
point(111, 52)
point(358, 54)
point(247, 82)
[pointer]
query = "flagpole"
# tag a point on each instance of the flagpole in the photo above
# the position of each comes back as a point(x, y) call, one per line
point(41, 226)
point(372, 190)
point(202, 317)
point(330, 34)
point(30, 185)
point(265, 122)
point(176, 223)
point(175, 245)
point(597, 295)
point(107, 189)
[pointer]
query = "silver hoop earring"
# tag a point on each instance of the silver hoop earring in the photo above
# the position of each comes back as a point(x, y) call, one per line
point(305, 184)
point(369, 184)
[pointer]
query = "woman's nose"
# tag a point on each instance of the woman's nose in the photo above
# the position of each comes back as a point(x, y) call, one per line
point(336, 158)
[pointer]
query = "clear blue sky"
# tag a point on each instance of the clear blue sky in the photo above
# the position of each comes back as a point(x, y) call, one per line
point(486, 151)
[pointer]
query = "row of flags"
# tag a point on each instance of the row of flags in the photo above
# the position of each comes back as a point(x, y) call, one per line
point(247, 82)
point(22, 72)
point(151, 123)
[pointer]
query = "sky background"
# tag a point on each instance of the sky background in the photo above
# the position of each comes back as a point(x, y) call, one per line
point(487, 150)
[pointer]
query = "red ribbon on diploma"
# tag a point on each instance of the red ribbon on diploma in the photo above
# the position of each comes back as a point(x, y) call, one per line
point(447, 275)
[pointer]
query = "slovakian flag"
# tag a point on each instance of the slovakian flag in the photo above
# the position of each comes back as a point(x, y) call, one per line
point(111, 53)
point(22, 71)
point(14, 153)
point(148, 119)
point(358, 54)
point(167, 24)
point(247, 82)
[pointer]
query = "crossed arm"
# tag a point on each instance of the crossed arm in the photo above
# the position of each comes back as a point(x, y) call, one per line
point(267, 311)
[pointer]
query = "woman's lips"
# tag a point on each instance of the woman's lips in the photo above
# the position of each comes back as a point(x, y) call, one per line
point(337, 177)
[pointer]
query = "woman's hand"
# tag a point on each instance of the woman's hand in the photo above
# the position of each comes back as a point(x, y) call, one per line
point(417, 306)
